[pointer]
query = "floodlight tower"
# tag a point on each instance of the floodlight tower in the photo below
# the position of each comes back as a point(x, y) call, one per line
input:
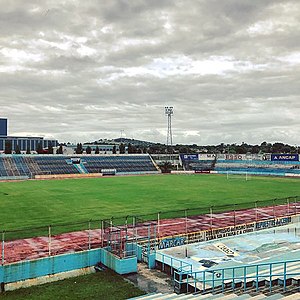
point(169, 113)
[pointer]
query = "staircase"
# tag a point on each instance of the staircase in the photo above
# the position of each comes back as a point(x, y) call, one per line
point(81, 168)
point(262, 289)
point(22, 167)
point(171, 296)
point(10, 167)
point(32, 165)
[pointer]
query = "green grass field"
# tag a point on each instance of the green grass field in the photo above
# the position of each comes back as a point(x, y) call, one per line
point(103, 285)
point(33, 203)
point(28, 204)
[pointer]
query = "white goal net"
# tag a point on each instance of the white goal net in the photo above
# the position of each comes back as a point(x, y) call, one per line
point(238, 175)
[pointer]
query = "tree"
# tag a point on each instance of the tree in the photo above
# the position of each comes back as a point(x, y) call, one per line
point(183, 149)
point(97, 151)
point(39, 148)
point(17, 150)
point(130, 150)
point(88, 150)
point(28, 151)
point(265, 147)
point(122, 148)
point(287, 149)
point(255, 149)
point(8, 147)
point(79, 149)
point(50, 148)
point(241, 149)
point(59, 150)
point(278, 148)
point(294, 149)
point(114, 149)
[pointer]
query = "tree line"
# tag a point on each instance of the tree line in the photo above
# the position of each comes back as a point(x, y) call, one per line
point(223, 148)
point(158, 148)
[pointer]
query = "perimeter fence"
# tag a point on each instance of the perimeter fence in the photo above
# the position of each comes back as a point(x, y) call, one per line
point(118, 233)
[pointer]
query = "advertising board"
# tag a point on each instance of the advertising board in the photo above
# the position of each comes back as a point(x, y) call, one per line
point(285, 157)
point(189, 157)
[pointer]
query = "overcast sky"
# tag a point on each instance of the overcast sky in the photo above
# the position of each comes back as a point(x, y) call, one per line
point(83, 70)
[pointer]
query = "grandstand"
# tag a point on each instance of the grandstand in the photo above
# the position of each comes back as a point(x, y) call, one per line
point(19, 166)
point(257, 167)
point(277, 165)
point(123, 164)
point(28, 166)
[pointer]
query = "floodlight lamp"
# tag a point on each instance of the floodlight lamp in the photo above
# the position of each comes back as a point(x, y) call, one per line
point(169, 110)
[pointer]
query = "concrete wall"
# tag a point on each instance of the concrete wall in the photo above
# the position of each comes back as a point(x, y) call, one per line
point(60, 176)
point(121, 266)
point(49, 266)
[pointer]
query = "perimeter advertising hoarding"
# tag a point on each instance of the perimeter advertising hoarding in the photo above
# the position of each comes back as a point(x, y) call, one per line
point(189, 157)
point(207, 156)
point(246, 156)
point(285, 157)
point(235, 156)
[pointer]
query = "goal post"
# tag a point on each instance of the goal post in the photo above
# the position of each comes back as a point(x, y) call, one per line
point(238, 175)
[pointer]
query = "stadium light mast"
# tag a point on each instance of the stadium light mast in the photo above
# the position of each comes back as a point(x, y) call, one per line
point(169, 113)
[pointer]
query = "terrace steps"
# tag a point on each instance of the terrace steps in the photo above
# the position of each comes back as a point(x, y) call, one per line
point(173, 296)
point(25, 165)
point(10, 166)
point(263, 292)
point(32, 165)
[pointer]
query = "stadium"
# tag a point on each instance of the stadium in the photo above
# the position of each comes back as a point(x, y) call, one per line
point(149, 150)
point(215, 225)
point(221, 226)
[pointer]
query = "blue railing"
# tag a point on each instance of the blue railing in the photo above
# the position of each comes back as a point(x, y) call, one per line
point(173, 263)
point(238, 276)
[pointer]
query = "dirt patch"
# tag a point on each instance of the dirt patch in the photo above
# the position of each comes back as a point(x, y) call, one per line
point(151, 281)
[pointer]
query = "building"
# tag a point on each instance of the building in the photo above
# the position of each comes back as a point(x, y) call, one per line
point(23, 143)
point(70, 149)
point(3, 127)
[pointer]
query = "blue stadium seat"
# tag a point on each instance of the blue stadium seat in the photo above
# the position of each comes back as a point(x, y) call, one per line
point(29, 165)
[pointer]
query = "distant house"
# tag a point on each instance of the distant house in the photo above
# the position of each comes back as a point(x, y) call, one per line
point(103, 149)
point(22, 142)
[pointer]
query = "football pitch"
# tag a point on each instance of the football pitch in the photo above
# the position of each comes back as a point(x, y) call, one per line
point(34, 203)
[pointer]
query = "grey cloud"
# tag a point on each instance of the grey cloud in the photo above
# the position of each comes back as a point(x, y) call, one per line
point(106, 66)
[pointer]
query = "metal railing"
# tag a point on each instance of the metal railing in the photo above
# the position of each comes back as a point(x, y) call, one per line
point(58, 238)
point(238, 277)
point(175, 264)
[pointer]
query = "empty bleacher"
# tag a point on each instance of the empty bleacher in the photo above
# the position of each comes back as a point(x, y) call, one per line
point(3, 172)
point(31, 165)
point(54, 165)
point(10, 166)
point(263, 167)
point(242, 166)
point(122, 164)
point(21, 165)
